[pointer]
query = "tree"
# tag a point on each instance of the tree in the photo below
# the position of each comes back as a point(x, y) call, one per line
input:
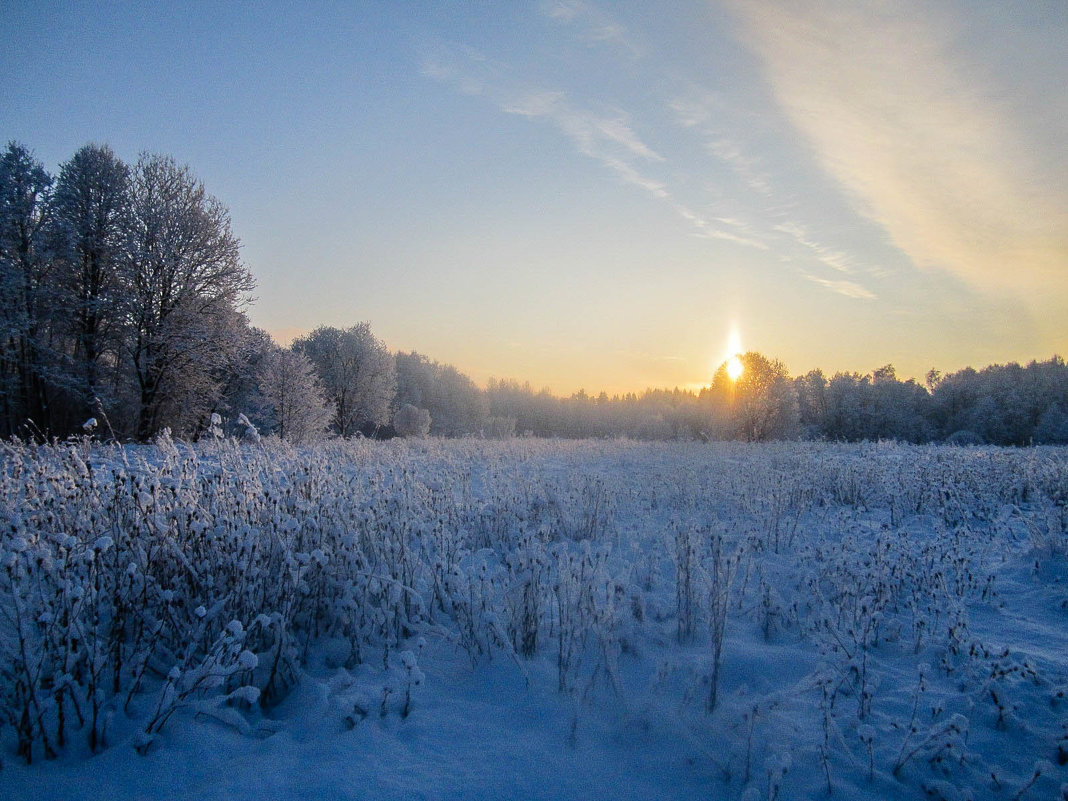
point(456, 405)
point(1003, 404)
point(357, 372)
point(298, 409)
point(91, 207)
point(26, 289)
point(760, 405)
point(845, 417)
point(1052, 428)
point(185, 286)
point(410, 421)
point(812, 401)
point(240, 374)
point(499, 427)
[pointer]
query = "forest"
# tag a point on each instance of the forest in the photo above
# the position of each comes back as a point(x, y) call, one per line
point(124, 313)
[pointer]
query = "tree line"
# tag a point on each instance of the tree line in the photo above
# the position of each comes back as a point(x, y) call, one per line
point(999, 405)
point(123, 301)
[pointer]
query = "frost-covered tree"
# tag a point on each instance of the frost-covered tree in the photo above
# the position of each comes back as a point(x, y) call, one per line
point(499, 427)
point(27, 291)
point(410, 421)
point(240, 378)
point(185, 284)
point(812, 402)
point(876, 406)
point(537, 413)
point(91, 207)
point(761, 404)
point(896, 409)
point(1002, 404)
point(456, 405)
point(358, 373)
point(1052, 428)
point(844, 418)
point(297, 406)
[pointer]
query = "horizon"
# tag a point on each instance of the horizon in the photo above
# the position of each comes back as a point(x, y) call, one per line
point(730, 352)
point(580, 195)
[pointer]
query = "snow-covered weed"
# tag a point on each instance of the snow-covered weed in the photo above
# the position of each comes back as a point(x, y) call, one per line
point(141, 583)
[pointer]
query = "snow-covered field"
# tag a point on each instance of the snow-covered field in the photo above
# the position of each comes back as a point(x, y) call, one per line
point(533, 619)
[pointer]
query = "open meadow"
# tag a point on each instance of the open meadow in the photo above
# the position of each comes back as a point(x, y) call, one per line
point(533, 619)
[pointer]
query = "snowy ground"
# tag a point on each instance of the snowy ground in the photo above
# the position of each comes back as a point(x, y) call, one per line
point(894, 620)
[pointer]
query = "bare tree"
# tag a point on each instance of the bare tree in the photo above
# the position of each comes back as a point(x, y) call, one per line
point(358, 373)
point(186, 285)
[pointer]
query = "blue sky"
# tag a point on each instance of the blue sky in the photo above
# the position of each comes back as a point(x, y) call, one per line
point(586, 194)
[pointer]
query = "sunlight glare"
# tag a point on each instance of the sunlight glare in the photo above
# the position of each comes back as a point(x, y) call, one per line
point(734, 342)
point(734, 368)
point(734, 350)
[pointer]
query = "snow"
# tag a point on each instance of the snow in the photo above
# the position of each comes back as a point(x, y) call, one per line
point(473, 734)
point(896, 622)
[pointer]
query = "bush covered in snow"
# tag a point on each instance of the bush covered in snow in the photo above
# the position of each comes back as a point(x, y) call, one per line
point(411, 421)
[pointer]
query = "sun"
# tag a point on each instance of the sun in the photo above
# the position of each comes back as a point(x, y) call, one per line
point(735, 368)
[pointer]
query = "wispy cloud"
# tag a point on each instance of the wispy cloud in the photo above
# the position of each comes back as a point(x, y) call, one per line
point(605, 135)
point(849, 289)
point(704, 111)
point(463, 68)
point(745, 166)
point(607, 138)
point(593, 133)
point(733, 212)
point(594, 25)
point(835, 259)
point(727, 236)
point(689, 112)
point(707, 113)
point(915, 134)
point(712, 228)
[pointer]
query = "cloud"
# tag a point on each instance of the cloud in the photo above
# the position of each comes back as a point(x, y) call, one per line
point(850, 289)
point(603, 135)
point(594, 26)
point(727, 236)
point(463, 68)
point(707, 229)
point(608, 139)
point(710, 115)
point(914, 130)
point(593, 133)
point(835, 259)
point(606, 135)
point(690, 113)
point(746, 167)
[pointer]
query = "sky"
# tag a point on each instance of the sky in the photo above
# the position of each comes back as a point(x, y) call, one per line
point(592, 194)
